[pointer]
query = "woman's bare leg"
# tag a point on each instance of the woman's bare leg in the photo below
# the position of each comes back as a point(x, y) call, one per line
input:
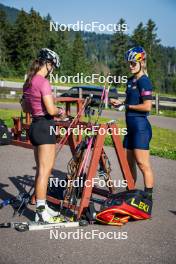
point(143, 161)
point(36, 173)
point(46, 158)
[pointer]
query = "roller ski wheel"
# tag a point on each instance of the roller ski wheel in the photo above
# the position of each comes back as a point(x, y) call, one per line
point(22, 227)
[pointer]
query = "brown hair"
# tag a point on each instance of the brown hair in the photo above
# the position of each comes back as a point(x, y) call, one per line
point(35, 67)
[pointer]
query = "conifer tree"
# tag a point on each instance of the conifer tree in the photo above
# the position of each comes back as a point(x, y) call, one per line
point(119, 46)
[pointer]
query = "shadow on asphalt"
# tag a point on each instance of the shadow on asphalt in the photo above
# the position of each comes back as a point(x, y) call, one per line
point(173, 212)
point(25, 184)
point(22, 184)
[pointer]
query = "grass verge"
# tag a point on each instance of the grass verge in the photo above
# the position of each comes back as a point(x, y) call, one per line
point(167, 113)
point(163, 142)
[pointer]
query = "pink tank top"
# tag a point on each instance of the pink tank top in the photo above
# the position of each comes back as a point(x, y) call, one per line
point(33, 95)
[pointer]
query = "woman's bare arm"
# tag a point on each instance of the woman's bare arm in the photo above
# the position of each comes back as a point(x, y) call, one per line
point(50, 107)
point(146, 106)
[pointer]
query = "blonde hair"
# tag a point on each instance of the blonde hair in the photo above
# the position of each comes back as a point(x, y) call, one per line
point(144, 68)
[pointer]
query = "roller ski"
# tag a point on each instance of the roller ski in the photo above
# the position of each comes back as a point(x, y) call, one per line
point(45, 218)
point(33, 226)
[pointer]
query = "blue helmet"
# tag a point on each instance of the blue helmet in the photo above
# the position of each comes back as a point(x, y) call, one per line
point(135, 54)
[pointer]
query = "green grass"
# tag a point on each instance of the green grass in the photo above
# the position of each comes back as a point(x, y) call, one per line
point(163, 143)
point(9, 100)
point(172, 95)
point(121, 88)
point(7, 114)
point(167, 113)
point(13, 79)
point(70, 84)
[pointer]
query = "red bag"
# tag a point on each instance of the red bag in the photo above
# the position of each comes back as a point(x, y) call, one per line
point(121, 207)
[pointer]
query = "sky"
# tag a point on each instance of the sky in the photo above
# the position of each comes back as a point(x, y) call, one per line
point(162, 12)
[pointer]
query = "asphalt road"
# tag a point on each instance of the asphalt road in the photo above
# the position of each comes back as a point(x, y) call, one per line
point(159, 121)
point(150, 241)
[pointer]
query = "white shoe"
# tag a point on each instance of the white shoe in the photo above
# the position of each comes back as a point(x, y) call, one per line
point(51, 211)
point(43, 216)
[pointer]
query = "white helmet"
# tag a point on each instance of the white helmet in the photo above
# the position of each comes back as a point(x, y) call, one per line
point(49, 55)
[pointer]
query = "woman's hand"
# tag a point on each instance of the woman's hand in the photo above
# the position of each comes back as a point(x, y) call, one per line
point(115, 102)
point(61, 112)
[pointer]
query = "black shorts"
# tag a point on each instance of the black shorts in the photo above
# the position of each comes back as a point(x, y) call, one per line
point(42, 130)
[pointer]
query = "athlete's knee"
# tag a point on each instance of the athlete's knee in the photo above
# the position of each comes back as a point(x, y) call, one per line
point(144, 166)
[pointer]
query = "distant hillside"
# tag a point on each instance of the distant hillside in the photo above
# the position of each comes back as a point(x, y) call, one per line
point(87, 52)
point(96, 45)
point(11, 12)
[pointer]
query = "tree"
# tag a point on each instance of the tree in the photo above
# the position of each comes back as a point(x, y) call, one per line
point(20, 47)
point(80, 63)
point(28, 39)
point(146, 37)
point(4, 58)
point(151, 36)
point(138, 37)
point(85, 52)
point(36, 33)
point(119, 46)
point(153, 56)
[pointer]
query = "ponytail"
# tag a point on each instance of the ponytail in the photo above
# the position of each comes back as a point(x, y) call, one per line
point(145, 68)
point(35, 67)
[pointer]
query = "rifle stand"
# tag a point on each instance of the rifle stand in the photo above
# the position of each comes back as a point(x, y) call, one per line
point(96, 155)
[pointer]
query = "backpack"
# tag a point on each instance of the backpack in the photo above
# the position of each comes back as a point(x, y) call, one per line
point(122, 207)
point(5, 135)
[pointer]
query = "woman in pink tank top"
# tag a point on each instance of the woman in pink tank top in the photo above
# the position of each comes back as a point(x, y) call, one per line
point(38, 100)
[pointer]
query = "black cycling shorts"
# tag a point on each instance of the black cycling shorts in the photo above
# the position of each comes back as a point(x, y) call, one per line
point(42, 130)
